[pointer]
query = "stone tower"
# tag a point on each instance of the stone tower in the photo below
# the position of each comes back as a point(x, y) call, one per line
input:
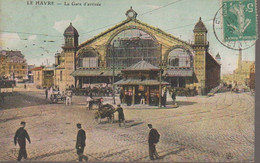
point(200, 47)
point(70, 47)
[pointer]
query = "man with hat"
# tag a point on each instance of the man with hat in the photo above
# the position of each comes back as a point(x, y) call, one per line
point(80, 143)
point(121, 116)
point(153, 139)
point(20, 135)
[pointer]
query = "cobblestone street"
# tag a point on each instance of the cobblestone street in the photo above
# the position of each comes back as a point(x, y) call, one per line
point(217, 128)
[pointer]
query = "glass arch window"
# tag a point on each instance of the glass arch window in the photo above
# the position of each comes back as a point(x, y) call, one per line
point(88, 59)
point(131, 46)
point(180, 58)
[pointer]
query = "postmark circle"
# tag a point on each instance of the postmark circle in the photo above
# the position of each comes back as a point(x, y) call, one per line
point(218, 32)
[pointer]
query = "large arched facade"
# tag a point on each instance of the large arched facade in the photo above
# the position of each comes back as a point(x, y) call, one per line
point(130, 46)
point(105, 55)
point(126, 45)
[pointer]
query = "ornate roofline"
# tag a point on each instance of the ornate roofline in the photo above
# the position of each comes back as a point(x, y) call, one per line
point(125, 22)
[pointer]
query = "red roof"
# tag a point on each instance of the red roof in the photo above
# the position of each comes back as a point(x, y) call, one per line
point(37, 68)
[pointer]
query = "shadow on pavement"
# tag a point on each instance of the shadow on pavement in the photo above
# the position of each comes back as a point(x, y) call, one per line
point(19, 100)
point(172, 152)
point(116, 153)
point(134, 124)
point(129, 123)
point(51, 154)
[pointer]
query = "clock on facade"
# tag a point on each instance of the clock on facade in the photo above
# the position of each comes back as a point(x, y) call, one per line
point(131, 14)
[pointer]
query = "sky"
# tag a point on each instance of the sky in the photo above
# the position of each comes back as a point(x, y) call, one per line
point(37, 30)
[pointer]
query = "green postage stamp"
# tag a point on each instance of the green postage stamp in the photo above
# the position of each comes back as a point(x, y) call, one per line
point(239, 20)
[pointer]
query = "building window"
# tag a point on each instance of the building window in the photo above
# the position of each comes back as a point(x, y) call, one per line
point(200, 39)
point(38, 76)
point(88, 59)
point(131, 46)
point(60, 75)
point(179, 58)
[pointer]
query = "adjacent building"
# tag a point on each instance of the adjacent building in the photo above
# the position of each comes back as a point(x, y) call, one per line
point(186, 65)
point(30, 73)
point(13, 65)
point(43, 76)
point(241, 75)
point(252, 77)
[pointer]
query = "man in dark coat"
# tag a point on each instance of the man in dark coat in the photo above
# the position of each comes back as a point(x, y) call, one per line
point(46, 93)
point(153, 139)
point(173, 97)
point(121, 96)
point(164, 99)
point(80, 143)
point(20, 136)
point(121, 116)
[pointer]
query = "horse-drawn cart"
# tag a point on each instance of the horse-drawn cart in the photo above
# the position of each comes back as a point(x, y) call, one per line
point(56, 96)
point(105, 111)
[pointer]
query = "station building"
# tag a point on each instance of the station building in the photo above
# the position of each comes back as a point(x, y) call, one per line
point(186, 65)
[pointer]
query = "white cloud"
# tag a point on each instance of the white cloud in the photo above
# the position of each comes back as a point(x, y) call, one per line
point(32, 37)
point(63, 24)
point(9, 40)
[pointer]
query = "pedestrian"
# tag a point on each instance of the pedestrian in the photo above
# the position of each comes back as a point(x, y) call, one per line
point(153, 139)
point(69, 97)
point(89, 102)
point(80, 143)
point(129, 98)
point(173, 97)
point(121, 96)
point(91, 95)
point(121, 116)
point(142, 98)
point(20, 136)
point(25, 86)
point(164, 99)
point(46, 93)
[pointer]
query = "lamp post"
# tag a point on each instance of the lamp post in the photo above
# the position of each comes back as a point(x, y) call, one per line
point(113, 78)
point(160, 78)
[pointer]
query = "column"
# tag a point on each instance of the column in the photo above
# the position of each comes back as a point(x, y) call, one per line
point(133, 97)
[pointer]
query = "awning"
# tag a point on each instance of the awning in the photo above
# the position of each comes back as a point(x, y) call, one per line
point(140, 82)
point(94, 72)
point(178, 72)
point(110, 73)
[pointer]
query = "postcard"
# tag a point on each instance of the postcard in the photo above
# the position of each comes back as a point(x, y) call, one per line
point(124, 81)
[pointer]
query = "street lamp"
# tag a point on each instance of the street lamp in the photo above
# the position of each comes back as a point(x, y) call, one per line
point(160, 85)
point(113, 78)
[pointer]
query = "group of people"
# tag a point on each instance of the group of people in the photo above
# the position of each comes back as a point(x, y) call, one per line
point(67, 94)
point(21, 135)
point(140, 98)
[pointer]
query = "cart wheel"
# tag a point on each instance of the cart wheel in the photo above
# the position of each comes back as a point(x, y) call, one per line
point(108, 119)
point(97, 117)
point(112, 118)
